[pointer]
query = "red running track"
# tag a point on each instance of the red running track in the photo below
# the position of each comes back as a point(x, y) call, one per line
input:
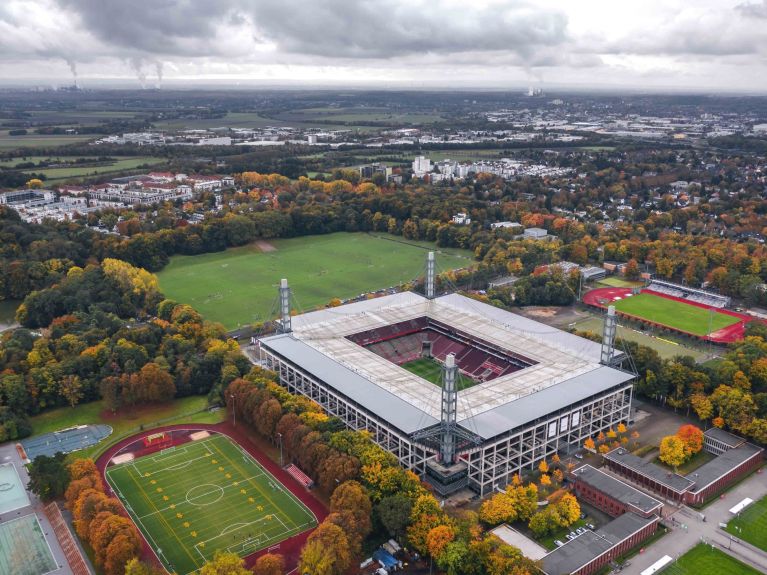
point(729, 334)
point(290, 548)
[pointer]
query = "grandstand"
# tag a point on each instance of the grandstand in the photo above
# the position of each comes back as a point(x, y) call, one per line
point(536, 390)
point(704, 297)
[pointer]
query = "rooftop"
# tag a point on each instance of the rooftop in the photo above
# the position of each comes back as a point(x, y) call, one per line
point(729, 439)
point(589, 545)
point(654, 472)
point(709, 472)
point(616, 488)
point(567, 368)
point(527, 546)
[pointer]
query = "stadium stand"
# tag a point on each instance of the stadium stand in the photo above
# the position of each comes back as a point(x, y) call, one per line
point(693, 294)
point(71, 551)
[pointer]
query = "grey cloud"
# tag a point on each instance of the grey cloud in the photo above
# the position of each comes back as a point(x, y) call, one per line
point(753, 10)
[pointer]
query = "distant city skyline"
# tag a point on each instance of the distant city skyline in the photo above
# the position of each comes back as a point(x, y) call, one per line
point(707, 45)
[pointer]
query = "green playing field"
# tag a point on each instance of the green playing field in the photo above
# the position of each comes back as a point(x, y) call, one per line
point(703, 560)
point(672, 313)
point(194, 499)
point(431, 371)
point(751, 524)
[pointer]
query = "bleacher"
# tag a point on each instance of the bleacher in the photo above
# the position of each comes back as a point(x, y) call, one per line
point(693, 294)
point(299, 476)
point(68, 545)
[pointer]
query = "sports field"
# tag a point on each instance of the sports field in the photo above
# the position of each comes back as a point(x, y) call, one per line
point(751, 524)
point(23, 548)
point(431, 371)
point(194, 499)
point(239, 286)
point(675, 314)
point(703, 560)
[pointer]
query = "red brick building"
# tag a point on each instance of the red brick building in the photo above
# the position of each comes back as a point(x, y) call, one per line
point(612, 495)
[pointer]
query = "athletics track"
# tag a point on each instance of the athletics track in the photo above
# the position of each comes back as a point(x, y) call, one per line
point(602, 297)
point(290, 548)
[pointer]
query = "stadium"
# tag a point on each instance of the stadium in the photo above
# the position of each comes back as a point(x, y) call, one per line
point(461, 392)
point(692, 312)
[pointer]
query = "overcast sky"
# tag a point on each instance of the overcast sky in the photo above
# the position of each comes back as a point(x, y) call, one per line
point(689, 44)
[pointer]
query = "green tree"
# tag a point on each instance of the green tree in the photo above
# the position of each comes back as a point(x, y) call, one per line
point(48, 476)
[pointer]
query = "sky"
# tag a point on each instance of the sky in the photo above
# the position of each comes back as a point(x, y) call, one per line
point(695, 45)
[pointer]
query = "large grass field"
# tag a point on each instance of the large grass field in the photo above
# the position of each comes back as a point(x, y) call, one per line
point(671, 313)
point(239, 286)
point(703, 560)
point(75, 171)
point(192, 500)
point(751, 524)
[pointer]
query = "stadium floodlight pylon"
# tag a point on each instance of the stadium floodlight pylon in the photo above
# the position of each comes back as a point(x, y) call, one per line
point(449, 409)
point(430, 272)
point(285, 326)
point(608, 337)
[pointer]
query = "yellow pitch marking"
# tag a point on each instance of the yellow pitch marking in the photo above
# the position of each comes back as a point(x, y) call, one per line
point(243, 491)
point(153, 481)
point(165, 497)
point(220, 468)
point(159, 490)
point(179, 515)
point(251, 500)
point(186, 524)
point(172, 505)
point(228, 475)
point(147, 474)
point(194, 533)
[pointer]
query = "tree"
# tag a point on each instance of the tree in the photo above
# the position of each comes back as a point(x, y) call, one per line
point(351, 501)
point(438, 538)
point(48, 476)
point(225, 563)
point(632, 270)
point(71, 389)
point(269, 564)
point(545, 480)
point(326, 551)
point(394, 512)
point(692, 436)
point(673, 451)
point(136, 567)
point(702, 406)
point(589, 444)
point(543, 467)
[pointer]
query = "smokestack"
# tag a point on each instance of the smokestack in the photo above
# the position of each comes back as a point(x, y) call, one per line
point(430, 275)
point(285, 306)
point(608, 337)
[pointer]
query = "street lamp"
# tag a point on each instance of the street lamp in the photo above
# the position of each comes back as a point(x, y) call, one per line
point(279, 436)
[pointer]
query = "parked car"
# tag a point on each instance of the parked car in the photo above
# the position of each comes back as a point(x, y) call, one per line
point(558, 543)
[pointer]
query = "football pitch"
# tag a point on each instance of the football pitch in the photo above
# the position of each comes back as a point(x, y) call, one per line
point(196, 498)
point(431, 371)
point(751, 524)
point(239, 286)
point(703, 560)
point(675, 314)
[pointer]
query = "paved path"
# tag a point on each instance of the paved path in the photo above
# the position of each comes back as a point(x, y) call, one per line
point(680, 540)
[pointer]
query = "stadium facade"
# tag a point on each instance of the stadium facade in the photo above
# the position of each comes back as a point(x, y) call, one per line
point(513, 392)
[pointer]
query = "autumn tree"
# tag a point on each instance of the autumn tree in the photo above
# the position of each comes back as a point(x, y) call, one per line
point(351, 501)
point(438, 538)
point(136, 567)
point(673, 451)
point(326, 551)
point(702, 406)
point(589, 444)
point(71, 389)
point(692, 436)
point(225, 563)
point(269, 564)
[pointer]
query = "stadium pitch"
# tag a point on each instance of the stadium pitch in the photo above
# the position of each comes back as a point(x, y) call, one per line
point(751, 524)
point(209, 494)
point(431, 370)
point(239, 286)
point(675, 314)
point(705, 560)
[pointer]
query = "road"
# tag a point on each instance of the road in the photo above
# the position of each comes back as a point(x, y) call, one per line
point(680, 540)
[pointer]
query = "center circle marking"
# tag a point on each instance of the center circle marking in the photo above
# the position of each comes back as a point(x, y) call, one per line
point(205, 494)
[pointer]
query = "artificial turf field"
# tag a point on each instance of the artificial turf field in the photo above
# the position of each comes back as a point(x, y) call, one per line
point(703, 560)
point(752, 522)
point(239, 286)
point(431, 371)
point(675, 314)
point(196, 498)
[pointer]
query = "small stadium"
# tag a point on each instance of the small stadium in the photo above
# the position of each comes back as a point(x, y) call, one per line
point(692, 312)
point(192, 492)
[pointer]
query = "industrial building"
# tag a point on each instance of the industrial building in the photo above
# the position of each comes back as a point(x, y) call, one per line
point(512, 392)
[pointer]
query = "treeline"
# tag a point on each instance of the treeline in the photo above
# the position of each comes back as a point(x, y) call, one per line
point(89, 351)
point(370, 484)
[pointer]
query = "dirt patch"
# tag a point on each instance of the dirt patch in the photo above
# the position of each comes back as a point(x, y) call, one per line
point(265, 247)
point(542, 312)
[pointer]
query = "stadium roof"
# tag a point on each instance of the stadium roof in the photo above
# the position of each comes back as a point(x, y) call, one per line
point(616, 488)
point(567, 368)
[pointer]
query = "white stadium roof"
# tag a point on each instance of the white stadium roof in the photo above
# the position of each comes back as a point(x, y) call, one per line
point(567, 367)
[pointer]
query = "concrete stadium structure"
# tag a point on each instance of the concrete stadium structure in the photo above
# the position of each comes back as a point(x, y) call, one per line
point(533, 390)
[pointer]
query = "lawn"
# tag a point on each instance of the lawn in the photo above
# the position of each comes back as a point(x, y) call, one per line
point(703, 560)
point(691, 465)
point(183, 410)
point(431, 370)
point(84, 171)
point(239, 286)
point(194, 499)
point(675, 314)
point(39, 140)
point(751, 524)
point(612, 281)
